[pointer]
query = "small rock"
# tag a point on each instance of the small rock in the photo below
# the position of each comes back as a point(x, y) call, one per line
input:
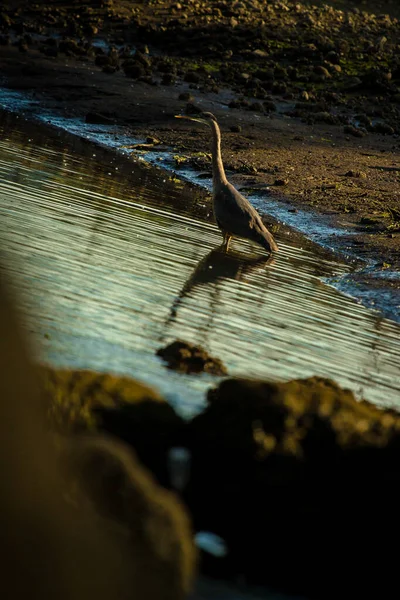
point(325, 117)
point(256, 107)
point(109, 69)
point(383, 128)
point(354, 131)
point(133, 69)
point(352, 173)
point(269, 106)
point(153, 140)
point(281, 181)
point(322, 72)
point(260, 53)
point(235, 128)
point(192, 109)
point(186, 97)
point(191, 77)
point(234, 104)
point(188, 358)
point(168, 79)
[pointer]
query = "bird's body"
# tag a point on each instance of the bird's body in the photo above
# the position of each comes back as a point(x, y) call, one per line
point(234, 214)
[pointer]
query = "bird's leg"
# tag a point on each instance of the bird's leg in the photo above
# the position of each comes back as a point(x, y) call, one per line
point(227, 239)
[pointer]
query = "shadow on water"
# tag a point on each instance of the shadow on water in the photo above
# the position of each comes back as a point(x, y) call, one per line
point(110, 258)
point(210, 270)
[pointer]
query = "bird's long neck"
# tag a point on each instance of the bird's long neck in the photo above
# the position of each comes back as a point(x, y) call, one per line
point(219, 176)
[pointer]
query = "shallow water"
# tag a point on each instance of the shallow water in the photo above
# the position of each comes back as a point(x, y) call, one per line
point(110, 259)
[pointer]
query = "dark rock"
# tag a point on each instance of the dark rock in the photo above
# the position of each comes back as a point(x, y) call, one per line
point(101, 60)
point(369, 221)
point(280, 72)
point(281, 472)
point(377, 80)
point(279, 88)
point(191, 77)
point(153, 140)
point(333, 57)
point(84, 501)
point(352, 173)
point(269, 106)
point(234, 104)
point(23, 47)
point(151, 427)
point(256, 107)
point(281, 182)
point(166, 67)
point(325, 117)
point(322, 72)
point(51, 51)
point(186, 96)
point(382, 128)
point(265, 74)
point(152, 525)
point(192, 109)
point(168, 79)
point(354, 131)
point(133, 69)
point(142, 59)
point(235, 128)
point(189, 358)
point(71, 48)
point(109, 69)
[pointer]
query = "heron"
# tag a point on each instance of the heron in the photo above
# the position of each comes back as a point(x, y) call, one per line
point(234, 214)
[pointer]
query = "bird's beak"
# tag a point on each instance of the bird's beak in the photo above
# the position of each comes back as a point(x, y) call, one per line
point(196, 119)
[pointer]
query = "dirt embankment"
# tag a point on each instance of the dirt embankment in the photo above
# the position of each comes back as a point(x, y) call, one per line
point(308, 97)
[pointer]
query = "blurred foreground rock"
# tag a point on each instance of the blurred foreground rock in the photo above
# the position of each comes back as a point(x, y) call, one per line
point(302, 482)
point(300, 479)
point(82, 400)
point(80, 516)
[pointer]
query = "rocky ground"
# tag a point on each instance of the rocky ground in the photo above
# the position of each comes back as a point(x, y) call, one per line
point(308, 96)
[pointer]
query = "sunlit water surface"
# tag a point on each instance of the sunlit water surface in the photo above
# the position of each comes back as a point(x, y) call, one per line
point(110, 260)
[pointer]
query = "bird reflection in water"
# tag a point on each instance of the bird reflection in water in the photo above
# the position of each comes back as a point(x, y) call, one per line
point(214, 267)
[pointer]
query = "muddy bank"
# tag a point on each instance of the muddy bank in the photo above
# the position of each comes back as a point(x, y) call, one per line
point(298, 478)
point(307, 97)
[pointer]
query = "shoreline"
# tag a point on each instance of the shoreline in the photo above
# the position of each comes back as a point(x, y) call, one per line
point(279, 148)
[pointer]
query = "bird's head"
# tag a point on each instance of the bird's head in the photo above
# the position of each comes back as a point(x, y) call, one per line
point(206, 118)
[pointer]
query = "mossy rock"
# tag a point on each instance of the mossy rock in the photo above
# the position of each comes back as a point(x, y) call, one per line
point(79, 401)
point(74, 395)
point(285, 471)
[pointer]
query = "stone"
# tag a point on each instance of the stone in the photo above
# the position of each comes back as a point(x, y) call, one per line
point(189, 358)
